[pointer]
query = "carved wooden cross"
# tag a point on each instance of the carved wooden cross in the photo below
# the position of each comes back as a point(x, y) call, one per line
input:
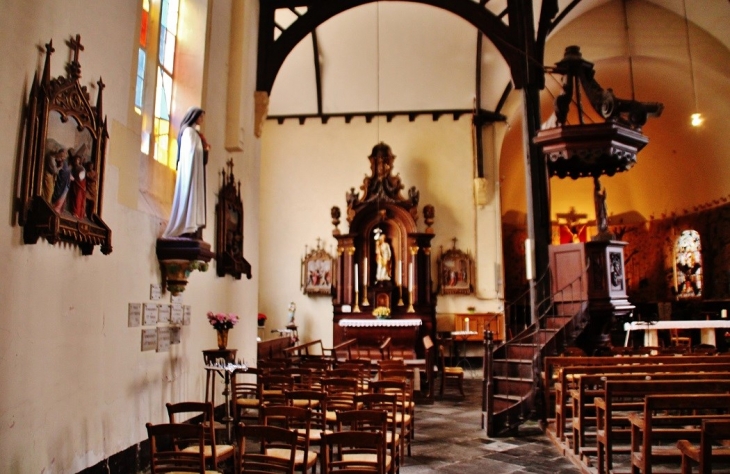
point(454, 241)
point(76, 46)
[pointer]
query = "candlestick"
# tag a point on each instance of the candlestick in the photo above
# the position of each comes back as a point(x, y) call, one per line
point(365, 301)
point(410, 302)
point(356, 309)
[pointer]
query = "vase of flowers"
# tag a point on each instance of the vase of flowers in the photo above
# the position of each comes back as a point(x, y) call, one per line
point(261, 319)
point(381, 312)
point(222, 322)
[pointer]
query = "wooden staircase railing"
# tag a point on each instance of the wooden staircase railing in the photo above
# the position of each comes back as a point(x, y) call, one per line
point(511, 371)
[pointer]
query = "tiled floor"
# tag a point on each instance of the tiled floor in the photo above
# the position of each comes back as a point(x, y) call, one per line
point(449, 440)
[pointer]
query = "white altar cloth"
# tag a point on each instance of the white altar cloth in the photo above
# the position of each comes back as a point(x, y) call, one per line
point(650, 328)
point(376, 323)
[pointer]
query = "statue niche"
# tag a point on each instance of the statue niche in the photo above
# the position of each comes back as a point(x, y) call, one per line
point(383, 260)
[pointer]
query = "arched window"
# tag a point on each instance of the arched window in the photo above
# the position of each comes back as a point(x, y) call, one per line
point(688, 265)
point(171, 41)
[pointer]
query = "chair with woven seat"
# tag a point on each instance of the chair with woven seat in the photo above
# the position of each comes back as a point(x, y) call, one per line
point(298, 420)
point(245, 402)
point(387, 403)
point(271, 439)
point(214, 452)
point(347, 452)
point(340, 396)
point(455, 375)
point(403, 418)
point(164, 455)
point(374, 421)
point(316, 402)
point(271, 388)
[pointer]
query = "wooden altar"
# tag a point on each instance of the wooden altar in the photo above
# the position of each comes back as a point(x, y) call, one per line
point(384, 261)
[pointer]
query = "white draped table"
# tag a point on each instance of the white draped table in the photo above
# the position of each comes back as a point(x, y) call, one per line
point(380, 323)
point(651, 328)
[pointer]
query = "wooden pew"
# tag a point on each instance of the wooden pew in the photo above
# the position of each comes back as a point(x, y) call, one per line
point(552, 364)
point(590, 386)
point(346, 350)
point(617, 392)
point(713, 432)
point(307, 350)
point(273, 349)
point(659, 422)
point(568, 375)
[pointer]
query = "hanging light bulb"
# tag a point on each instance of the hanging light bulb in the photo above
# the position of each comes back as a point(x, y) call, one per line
point(696, 118)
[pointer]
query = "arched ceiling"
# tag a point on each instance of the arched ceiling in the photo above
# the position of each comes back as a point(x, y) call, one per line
point(405, 56)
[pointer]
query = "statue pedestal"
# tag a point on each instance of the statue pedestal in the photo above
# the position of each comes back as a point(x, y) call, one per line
point(178, 257)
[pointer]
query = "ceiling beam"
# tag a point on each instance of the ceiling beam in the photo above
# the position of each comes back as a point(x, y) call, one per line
point(483, 116)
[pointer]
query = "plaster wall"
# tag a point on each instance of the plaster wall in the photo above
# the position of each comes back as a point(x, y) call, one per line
point(76, 388)
point(307, 169)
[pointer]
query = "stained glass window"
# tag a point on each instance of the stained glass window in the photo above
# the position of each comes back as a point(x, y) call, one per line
point(163, 151)
point(688, 265)
point(141, 58)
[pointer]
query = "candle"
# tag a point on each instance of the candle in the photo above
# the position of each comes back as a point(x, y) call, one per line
point(400, 273)
point(356, 285)
point(674, 269)
point(365, 272)
point(466, 323)
point(723, 313)
point(410, 276)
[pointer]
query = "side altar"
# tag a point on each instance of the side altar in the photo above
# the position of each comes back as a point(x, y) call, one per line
point(384, 262)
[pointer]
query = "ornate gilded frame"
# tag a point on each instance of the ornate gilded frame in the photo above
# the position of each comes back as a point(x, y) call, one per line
point(318, 271)
point(456, 272)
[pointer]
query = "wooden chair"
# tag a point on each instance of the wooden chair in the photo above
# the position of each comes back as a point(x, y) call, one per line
point(297, 420)
point(676, 340)
point(340, 397)
point(316, 402)
point(388, 403)
point(448, 373)
point(213, 452)
point(374, 421)
point(245, 402)
point(271, 388)
point(165, 458)
point(270, 438)
point(351, 452)
point(403, 418)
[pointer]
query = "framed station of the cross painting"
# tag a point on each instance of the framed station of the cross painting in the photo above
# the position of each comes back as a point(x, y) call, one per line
point(318, 270)
point(63, 162)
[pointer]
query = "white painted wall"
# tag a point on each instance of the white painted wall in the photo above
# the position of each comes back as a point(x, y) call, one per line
point(307, 169)
point(75, 386)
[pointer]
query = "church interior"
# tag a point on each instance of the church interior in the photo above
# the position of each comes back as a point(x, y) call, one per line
point(430, 196)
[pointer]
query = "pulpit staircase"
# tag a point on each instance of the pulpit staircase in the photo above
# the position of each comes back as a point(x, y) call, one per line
point(511, 391)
